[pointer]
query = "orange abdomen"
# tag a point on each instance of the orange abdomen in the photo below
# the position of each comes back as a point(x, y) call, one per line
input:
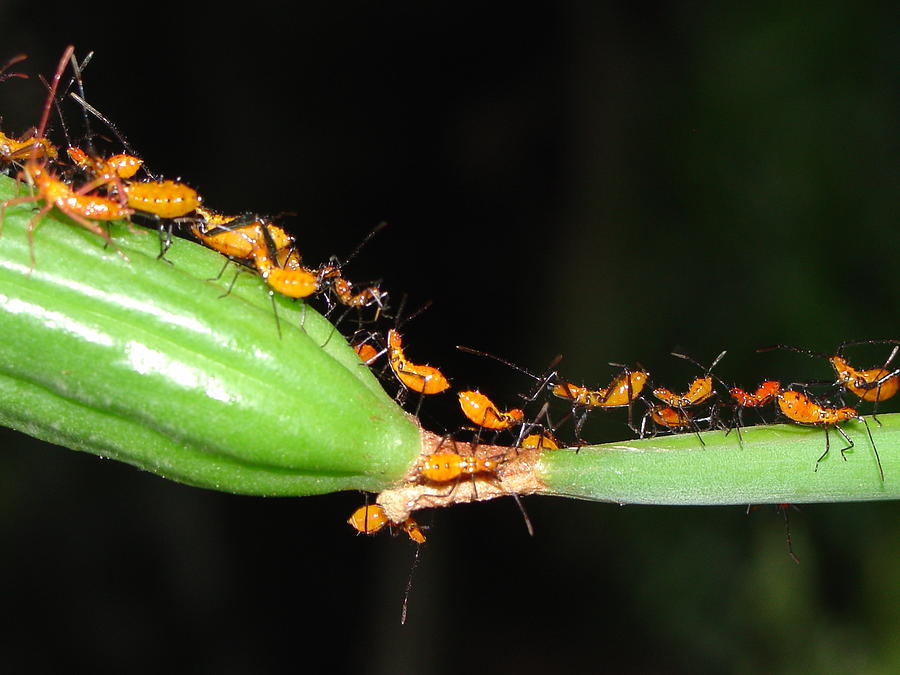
point(166, 199)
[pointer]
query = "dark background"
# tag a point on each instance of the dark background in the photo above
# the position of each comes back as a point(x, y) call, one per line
point(605, 180)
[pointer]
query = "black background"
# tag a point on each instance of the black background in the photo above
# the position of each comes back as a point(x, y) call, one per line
point(605, 180)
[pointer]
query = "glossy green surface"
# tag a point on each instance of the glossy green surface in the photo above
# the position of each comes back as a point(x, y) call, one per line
point(775, 465)
point(145, 362)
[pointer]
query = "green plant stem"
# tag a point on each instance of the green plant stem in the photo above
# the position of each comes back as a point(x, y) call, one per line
point(147, 363)
point(775, 465)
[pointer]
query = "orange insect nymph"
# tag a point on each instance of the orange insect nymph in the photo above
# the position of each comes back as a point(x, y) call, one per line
point(330, 277)
point(288, 277)
point(699, 391)
point(543, 441)
point(237, 236)
point(625, 388)
point(368, 519)
point(621, 391)
point(82, 208)
point(12, 149)
point(479, 409)
point(78, 207)
point(800, 408)
point(372, 518)
point(116, 166)
point(366, 352)
point(874, 384)
point(764, 393)
point(166, 198)
point(411, 527)
point(670, 418)
point(423, 379)
point(443, 467)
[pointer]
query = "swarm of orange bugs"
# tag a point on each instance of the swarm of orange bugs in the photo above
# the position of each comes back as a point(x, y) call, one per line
point(494, 457)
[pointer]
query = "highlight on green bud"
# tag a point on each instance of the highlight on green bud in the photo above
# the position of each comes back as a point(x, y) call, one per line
point(153, 364)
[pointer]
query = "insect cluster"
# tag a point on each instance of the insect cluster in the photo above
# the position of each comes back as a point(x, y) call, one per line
point(94, 189)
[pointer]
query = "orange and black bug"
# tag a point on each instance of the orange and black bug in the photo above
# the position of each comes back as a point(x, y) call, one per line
point(371, 518)
point(624, 389)
point(699, 391)
point(473, 402)
point(81, 207)
point(236, 237)
point(873, 384)
point(164, 199)
point(364, 349)
point(157, 199)
point(482, 411)
point(673, 415)
point(420, 378)
point(667, 417)
point(801, 409)
point(444, 466)
point(765, 393)
point(19, 149)
point(542, 441)
point(672, 419)
point(340, 290)
point(282, 269)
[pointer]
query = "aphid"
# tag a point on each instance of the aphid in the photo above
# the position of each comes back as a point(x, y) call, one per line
point(423, 379)
point(699, 391)
point(480, 410)
point(800, 408)
point(78, 206)
point(872, 384)
point(371, 518)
